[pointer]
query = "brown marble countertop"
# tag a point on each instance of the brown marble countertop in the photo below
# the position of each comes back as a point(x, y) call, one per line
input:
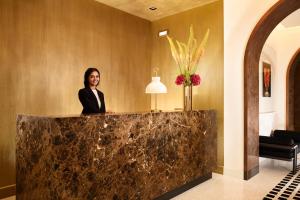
point(113, 156)
point(107, 114)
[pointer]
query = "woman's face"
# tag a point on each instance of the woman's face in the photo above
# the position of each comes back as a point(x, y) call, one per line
point(94, 79)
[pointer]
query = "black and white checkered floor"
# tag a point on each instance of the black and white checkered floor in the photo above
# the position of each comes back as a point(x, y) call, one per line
point(287, 188)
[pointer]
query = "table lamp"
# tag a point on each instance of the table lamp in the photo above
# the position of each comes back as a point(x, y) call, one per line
point(156, 87)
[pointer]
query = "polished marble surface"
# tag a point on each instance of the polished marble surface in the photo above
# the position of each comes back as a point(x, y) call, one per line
point(119, 156)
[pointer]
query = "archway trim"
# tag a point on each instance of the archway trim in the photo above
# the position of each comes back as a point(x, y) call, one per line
point(254, 47)
point(289, 93)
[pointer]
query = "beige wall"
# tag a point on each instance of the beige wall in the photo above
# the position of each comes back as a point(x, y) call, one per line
point(46, 46)
point(240, 18)
point(209, 95)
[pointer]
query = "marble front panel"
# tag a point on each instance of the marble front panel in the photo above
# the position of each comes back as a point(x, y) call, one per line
point(117, 156)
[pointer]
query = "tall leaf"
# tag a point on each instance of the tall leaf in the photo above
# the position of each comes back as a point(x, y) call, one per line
point(181, 56)
point(199, 51)
point(187, 56)
point(174, 52)
point(190, 45)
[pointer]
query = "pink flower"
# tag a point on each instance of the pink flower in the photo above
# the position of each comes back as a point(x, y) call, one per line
point(195, 79)
point(180, 79)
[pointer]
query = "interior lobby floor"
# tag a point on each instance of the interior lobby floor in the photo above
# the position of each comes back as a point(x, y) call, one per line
point(229, 188)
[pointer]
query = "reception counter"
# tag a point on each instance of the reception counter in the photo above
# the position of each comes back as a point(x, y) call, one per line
point(114, 156)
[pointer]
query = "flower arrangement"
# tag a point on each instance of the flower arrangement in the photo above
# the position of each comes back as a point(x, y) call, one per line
point(187, 57)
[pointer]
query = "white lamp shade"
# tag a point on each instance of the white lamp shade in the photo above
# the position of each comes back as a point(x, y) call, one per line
point(156, 87)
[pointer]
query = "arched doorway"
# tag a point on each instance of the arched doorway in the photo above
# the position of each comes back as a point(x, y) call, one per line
point(251, 62)
point(292, 94)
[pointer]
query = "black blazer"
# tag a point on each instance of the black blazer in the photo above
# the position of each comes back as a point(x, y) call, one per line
point(89, 101)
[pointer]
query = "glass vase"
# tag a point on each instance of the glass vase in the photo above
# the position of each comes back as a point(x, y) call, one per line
point(187, 98)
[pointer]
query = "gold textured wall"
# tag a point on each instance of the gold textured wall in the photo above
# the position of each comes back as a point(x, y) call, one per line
point(209, 95)
point(46, 46)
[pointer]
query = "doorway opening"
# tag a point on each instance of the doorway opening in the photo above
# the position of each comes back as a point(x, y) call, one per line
point(254, 47)
point(293, 93)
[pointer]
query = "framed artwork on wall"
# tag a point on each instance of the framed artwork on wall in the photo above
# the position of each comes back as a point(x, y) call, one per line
point(266, 79)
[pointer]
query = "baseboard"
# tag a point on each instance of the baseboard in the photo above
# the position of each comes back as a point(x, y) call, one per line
point(219, 169)
point(184, 188)
point(250, 173)
point(7, 191)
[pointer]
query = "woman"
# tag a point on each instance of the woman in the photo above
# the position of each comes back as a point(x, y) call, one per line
point(91, 99)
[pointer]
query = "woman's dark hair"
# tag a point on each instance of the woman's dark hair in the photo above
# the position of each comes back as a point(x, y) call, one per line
point(87, 74)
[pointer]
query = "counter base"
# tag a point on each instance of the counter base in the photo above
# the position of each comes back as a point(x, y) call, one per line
point(184, 187)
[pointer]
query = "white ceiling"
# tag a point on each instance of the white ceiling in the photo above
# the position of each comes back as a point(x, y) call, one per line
point(165, 8)
point(292, 20)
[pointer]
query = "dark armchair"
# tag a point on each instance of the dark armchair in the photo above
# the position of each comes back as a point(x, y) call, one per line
point(280, 146)
point(294, 135)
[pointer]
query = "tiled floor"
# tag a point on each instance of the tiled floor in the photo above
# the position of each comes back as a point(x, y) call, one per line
point(227, 188)
point(287, 188)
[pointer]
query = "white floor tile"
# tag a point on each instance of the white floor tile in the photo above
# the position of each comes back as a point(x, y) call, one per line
point(222, 187)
